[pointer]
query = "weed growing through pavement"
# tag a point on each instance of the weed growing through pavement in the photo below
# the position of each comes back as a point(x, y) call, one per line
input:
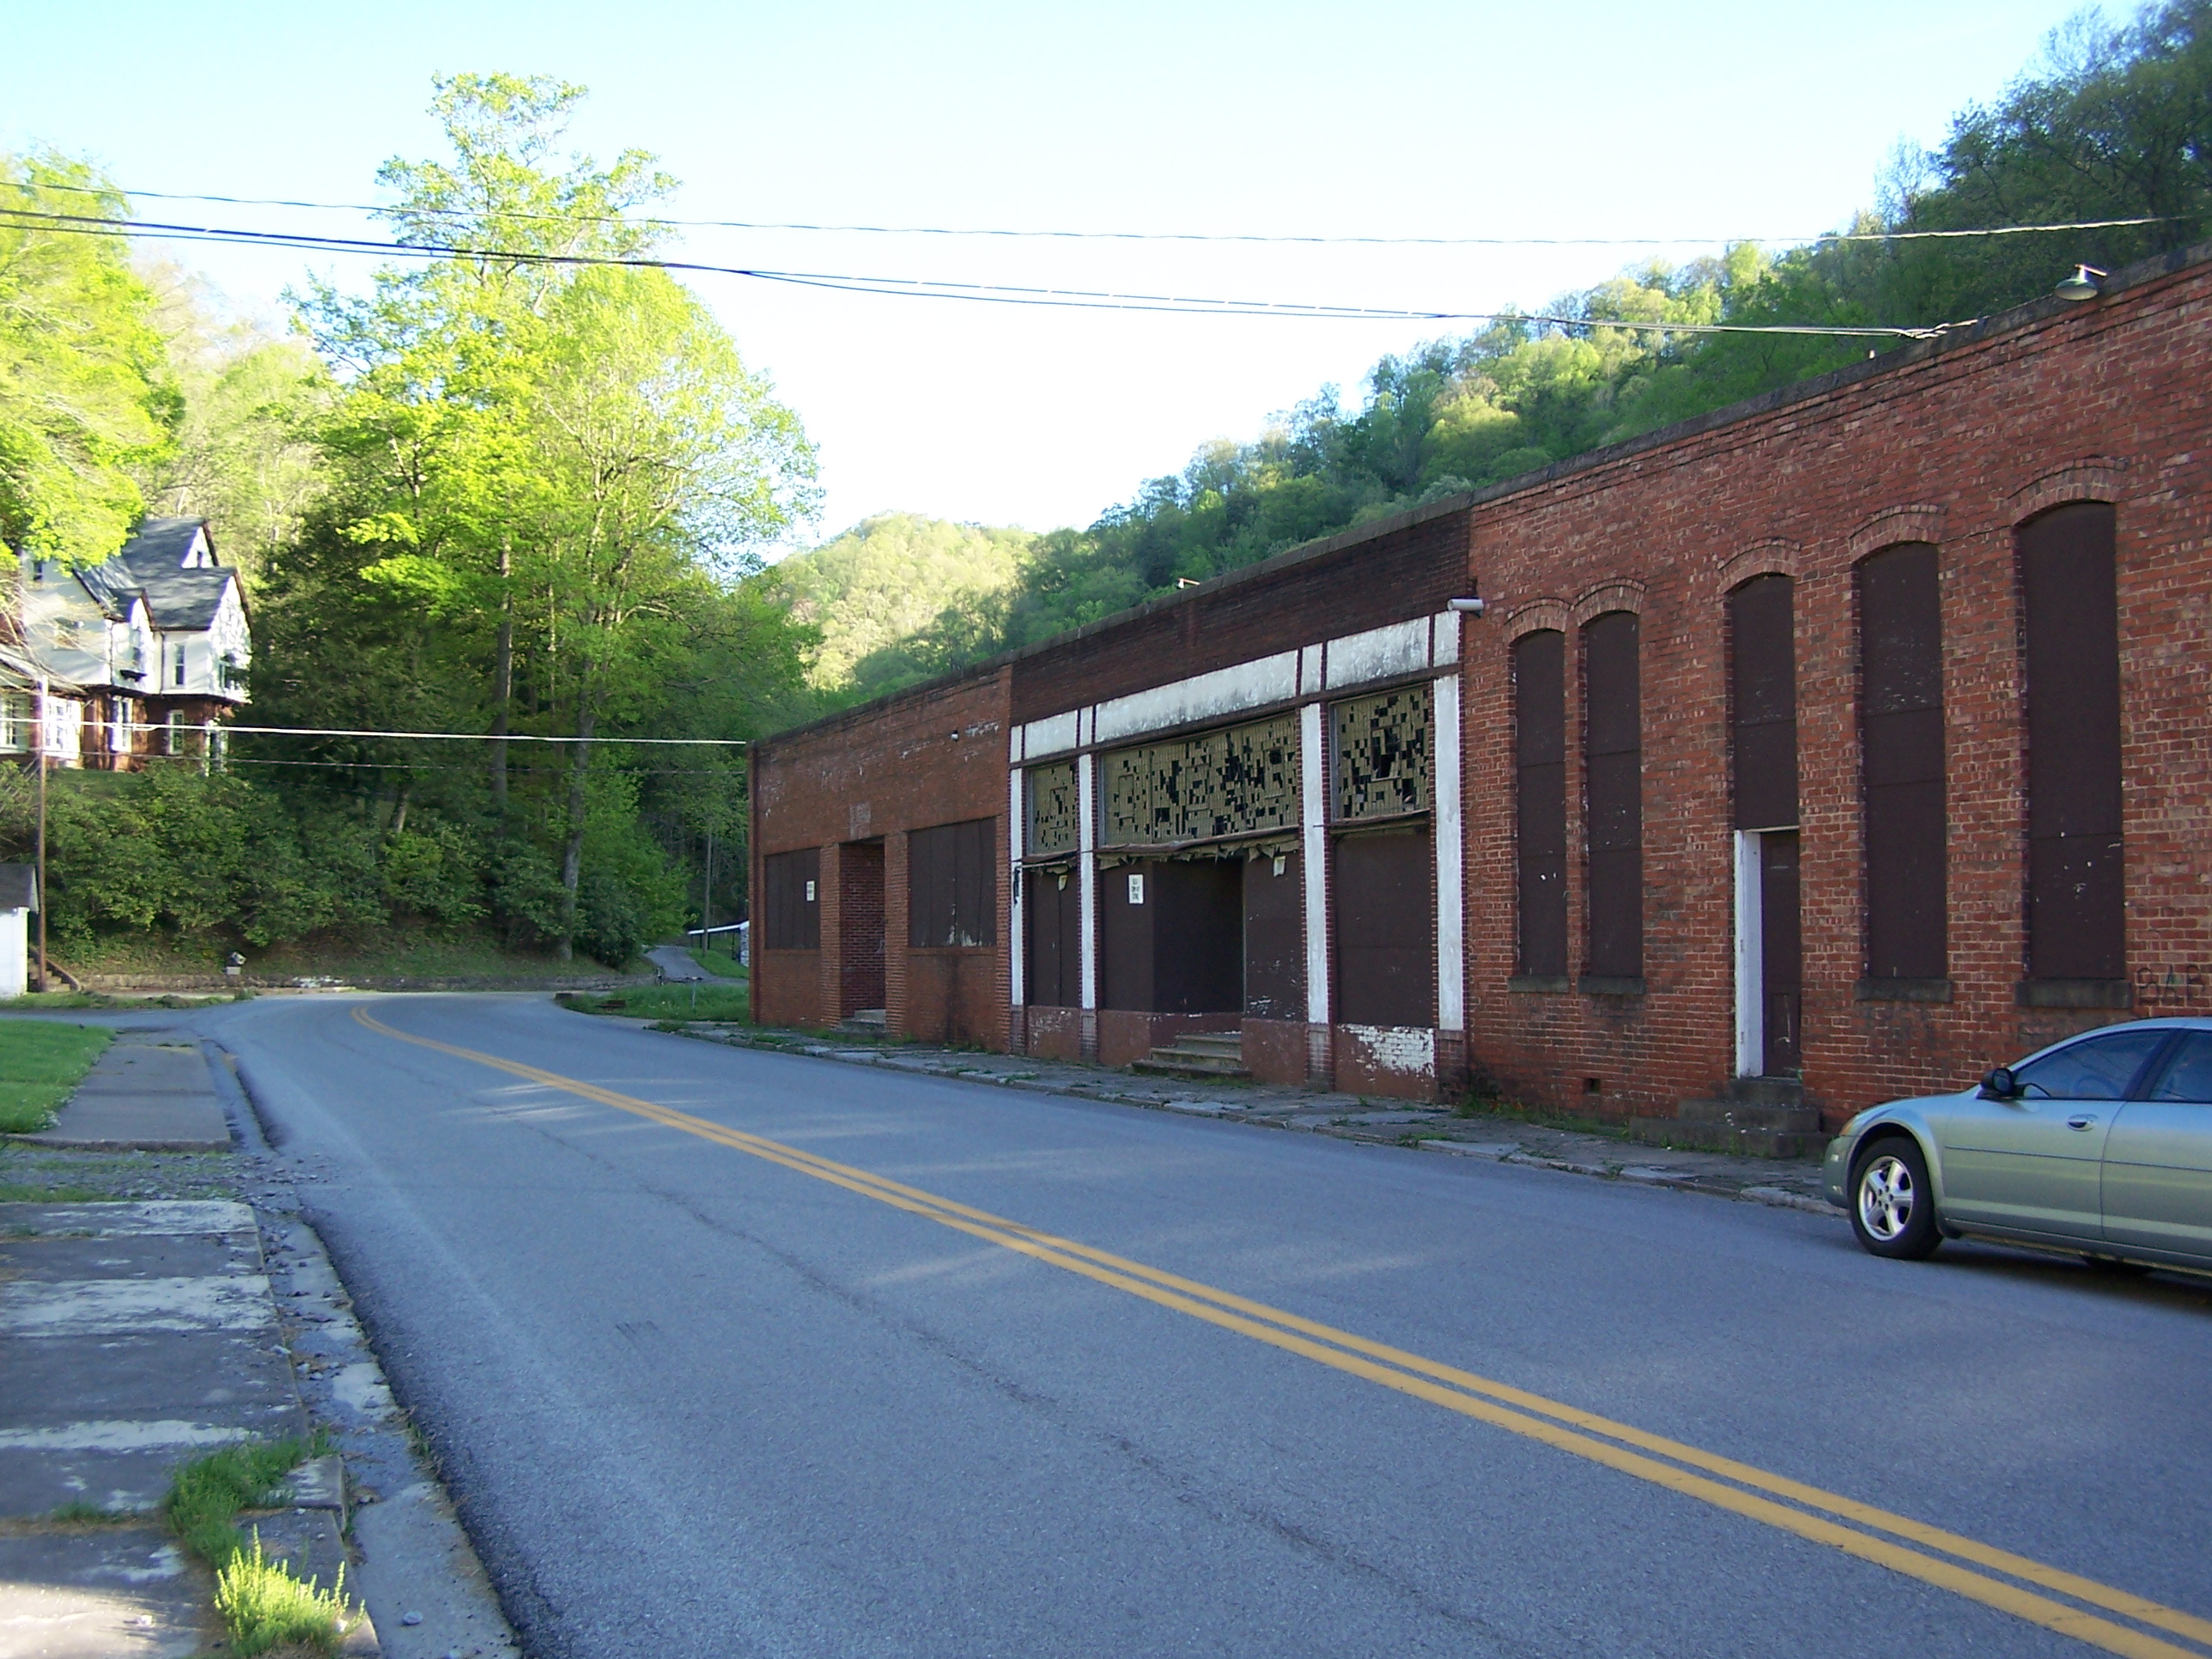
point(265, 1606)
point(261, 1600)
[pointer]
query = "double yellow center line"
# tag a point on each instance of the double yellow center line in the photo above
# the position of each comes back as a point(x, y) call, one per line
point(1994, 1577)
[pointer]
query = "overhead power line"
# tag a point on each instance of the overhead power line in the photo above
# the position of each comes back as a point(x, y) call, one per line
point(1052, 235)
point(434, 737)
point(929, 287)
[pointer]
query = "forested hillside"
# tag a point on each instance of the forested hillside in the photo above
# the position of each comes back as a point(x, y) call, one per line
point(487, 496)
point(2115, 123)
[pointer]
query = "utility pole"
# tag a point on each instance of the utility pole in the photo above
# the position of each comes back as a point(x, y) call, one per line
point(40, 737)
point(707, 898)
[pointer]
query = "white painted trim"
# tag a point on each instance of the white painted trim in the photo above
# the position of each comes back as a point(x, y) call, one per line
point(1315, 864)
point(1051, 735)
point(1334, 665)
point(1202, 696)
point(1016, 839)
point(1086, 794)
point(1750, 960)
point(1378, 653)
point(1451, 938)
point(1444, 645)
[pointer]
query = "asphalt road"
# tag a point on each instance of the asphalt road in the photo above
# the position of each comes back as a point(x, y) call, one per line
point(698, 1392)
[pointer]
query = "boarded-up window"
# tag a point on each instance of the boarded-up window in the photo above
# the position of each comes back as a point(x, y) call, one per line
point(792, 899)
point(952, 893)
point(1382, 896)
point(1052, 917)
point(1052, 810)
point(1901, 715)
point(1382, 754)
point(1217, 783)
point(1763, 703)
point(1613, 795)
point(1539, 740)
point(2076, 925)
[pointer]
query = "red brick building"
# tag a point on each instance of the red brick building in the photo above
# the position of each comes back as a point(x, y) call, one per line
point(1828, 748)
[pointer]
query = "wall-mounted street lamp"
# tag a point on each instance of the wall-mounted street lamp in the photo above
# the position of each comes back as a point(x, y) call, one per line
point(2082, 285)
point(1470, 607)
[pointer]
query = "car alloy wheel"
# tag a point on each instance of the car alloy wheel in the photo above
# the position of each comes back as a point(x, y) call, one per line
point(1893, 1209)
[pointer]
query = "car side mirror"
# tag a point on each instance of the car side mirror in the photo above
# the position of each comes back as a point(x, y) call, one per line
point(2001, 1084)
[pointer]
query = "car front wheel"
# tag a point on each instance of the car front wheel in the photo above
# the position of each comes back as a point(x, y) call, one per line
point(1893, 1208)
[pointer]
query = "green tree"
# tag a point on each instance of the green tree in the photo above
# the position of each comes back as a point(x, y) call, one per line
point(85, 396)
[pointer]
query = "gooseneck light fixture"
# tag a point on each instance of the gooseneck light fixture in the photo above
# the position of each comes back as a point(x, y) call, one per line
point(2082, 285)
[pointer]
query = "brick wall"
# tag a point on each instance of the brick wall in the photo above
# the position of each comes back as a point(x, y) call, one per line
point(2109, 402)
point(854, 787)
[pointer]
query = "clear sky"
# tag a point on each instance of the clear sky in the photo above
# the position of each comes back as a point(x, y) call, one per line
point(1698, 122)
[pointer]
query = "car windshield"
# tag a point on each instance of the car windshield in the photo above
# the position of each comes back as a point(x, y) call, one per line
point(2096, 1068)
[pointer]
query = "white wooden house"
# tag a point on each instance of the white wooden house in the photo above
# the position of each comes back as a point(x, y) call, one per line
point(156, 637)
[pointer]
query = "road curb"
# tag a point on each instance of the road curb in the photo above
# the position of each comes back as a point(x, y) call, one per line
point(420, 1577)
point(1770, 1197)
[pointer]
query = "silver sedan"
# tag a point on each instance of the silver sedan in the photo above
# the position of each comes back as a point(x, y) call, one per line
point(2100, 1144)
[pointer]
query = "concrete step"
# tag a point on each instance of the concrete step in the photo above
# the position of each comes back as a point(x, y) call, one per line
point(1766, 1090)
point(1744, 1116)
point(866, 1022)
point(1718, 1135)
point(1165, 1062)
point(1198, 1053)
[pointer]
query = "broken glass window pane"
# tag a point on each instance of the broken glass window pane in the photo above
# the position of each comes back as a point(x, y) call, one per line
point(1382, 754)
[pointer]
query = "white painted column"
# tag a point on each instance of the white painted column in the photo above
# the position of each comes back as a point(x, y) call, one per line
point(1750, 959)
point(1314, 805)
point(1087, 818)
point(1017, 835)
point(1451, 938)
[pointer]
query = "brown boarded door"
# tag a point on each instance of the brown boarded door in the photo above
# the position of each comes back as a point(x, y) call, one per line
point(1126, 909)
point(1781, 954)
point(1384, 914)
point(860, 924)
point(1052, 910)
point(1197, 936)
point(1274, 938)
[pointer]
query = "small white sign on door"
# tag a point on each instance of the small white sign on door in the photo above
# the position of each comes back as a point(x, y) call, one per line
point(810, 892)
point(1137, 889)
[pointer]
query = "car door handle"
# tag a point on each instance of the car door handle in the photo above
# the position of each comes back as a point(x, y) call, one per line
point(2083, 1121)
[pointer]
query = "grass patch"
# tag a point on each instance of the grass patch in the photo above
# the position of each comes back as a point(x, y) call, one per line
point(41, 1062)
point(26, 1192)
point(81, 1513)
point(720, 1003)
point(715, 961)
point(261, 1600)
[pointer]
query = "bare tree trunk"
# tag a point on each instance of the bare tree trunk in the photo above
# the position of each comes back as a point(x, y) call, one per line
point(502, 684)
point(399, 818)
point(572, 854)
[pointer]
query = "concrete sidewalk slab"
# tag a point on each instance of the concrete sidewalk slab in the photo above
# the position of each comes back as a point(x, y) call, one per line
point(105, 1593)
point(142, 1095)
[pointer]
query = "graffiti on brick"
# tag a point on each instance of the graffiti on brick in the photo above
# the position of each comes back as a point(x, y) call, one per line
point(1052, 810)
point(1231, 782)
point(1382, 754)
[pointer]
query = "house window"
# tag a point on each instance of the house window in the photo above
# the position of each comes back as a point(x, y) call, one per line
point(1539, 740)
point(172, 734)
point(952, 896)
point(16, 722)
point(1901, 742)
point(180, 664)
point(1613, 796)
point(2076, 927)
point(793, 916)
